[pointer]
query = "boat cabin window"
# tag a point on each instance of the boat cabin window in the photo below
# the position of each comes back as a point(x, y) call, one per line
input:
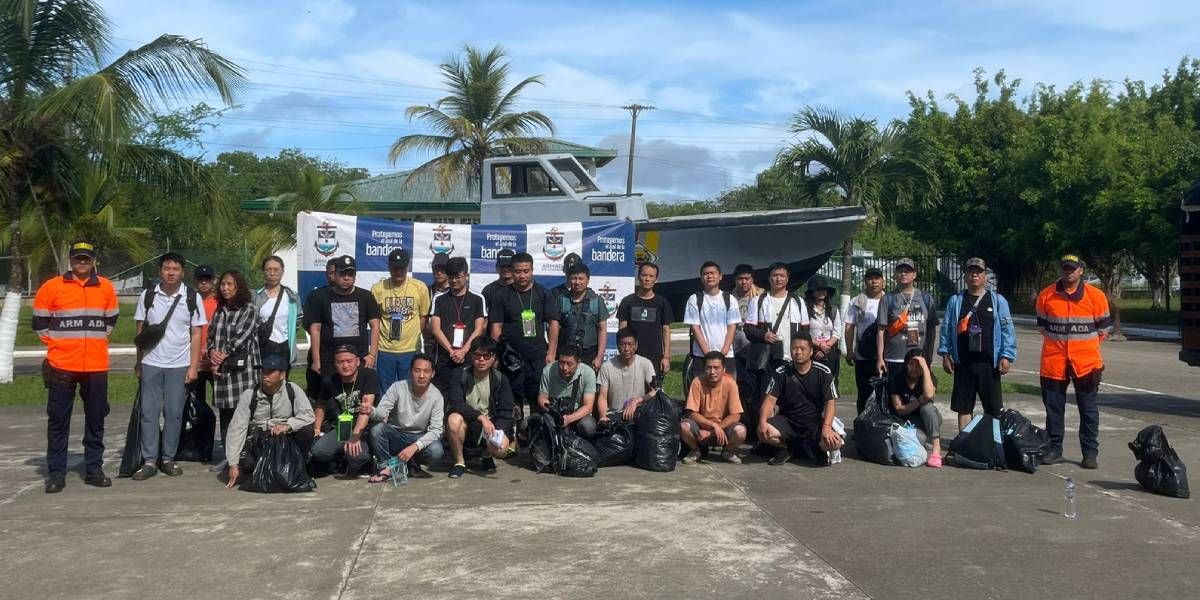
point(574, 176)
point(515, 180)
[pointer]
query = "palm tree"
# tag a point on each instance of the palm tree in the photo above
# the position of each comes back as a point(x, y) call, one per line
point(879, 169)
point(61, 108)
point(474, 121)
point(277, 229)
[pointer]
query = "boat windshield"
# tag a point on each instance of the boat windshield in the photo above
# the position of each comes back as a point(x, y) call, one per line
point(573, 175)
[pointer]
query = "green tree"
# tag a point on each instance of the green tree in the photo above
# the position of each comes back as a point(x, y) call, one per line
point(277, 229)
point(879, 169)
point(61, 107)
point(475, 120)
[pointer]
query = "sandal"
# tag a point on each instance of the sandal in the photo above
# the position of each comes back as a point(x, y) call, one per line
point(383, 476)
point(935, 460)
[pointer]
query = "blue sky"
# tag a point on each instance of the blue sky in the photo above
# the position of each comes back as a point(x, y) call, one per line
point(333, 77)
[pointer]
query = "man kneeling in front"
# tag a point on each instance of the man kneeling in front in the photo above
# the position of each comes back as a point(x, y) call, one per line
point(481, 409)
point(713, 412)
point(805, 395)
point(276, 406)
point(412, 412)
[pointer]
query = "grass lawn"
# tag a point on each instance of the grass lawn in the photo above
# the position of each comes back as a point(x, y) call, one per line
point(1138, 311)
point(122, 334)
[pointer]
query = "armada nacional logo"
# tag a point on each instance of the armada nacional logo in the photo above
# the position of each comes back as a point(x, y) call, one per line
point(554, 249)
point(326, 243)
point(442, 240)
point(609, 294)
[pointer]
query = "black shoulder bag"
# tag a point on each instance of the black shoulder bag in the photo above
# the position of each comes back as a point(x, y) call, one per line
point(758, 354)
point(153, 333)
point(267, 327)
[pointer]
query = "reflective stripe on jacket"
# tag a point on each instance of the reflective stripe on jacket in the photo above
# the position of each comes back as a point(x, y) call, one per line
point(74, 318)
point(1071, 326)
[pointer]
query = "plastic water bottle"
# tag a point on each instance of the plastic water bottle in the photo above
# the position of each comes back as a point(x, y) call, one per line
point(1070, 493)
point(835, 457)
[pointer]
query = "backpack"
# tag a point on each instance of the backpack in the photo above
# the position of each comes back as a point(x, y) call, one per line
point(699, 311)
point(1024, 442)
point(872, 428)
point(979, 445)
point(593, 310)
point(189, 296)
point(544, 446)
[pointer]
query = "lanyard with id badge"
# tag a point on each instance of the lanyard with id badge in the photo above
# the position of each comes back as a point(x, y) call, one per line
point(972, 328)
point(528, 317)
point(460, 329)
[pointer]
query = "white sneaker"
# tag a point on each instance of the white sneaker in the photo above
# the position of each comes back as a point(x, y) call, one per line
point(731, 457)
point(691, 457)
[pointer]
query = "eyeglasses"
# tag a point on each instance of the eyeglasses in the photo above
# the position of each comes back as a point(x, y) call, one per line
point(484, 356)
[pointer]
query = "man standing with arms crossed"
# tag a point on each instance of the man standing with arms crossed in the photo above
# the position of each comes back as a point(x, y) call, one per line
point(1074, 320)
point(74, 314)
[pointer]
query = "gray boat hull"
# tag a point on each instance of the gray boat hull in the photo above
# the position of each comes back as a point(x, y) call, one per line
point(801, 238)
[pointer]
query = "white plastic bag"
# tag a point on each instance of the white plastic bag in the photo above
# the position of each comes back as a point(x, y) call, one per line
point(909, 450)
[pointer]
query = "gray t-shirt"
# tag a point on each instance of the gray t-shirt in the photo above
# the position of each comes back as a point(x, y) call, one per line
point(625, 382)
point(921, 317)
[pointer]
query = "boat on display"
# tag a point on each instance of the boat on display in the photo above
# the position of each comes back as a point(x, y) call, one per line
point(552, 188)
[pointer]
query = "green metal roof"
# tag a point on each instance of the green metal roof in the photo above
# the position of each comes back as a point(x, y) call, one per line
point(394, 192)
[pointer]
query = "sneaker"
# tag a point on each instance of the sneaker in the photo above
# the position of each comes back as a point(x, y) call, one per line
point(1052, 458)
point(416, 472)
point(456, 471)
point(97, 479)
point(1089, 462)
point(691, 457)
point(487, 465)
point(144, 472)
point(782, 455)
point(170, 469)
point(935, 460)
point(731, 457)
point(55, 483)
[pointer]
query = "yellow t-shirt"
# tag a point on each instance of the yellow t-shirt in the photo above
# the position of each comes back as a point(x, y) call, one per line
point(403, 306)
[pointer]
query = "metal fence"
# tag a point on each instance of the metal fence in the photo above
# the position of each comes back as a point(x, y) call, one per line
point(940, 275)
point(130, 275)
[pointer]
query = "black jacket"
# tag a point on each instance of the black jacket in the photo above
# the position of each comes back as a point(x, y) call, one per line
point(501, 405)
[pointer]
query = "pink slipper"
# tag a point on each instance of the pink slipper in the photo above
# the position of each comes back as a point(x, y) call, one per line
point(935, 460)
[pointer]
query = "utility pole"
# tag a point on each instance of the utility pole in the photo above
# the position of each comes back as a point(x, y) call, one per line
point(633, 109)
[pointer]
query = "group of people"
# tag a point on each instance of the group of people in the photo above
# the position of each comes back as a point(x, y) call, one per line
point(397, 374)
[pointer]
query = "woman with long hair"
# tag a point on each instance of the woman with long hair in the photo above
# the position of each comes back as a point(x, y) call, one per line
point(233, 346)
point(824, 324)
point(278, 310)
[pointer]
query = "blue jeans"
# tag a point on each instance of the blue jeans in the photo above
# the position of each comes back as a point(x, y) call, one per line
point(393, 367)
point(388, 441)
point(1054, 396)
point(163, 392)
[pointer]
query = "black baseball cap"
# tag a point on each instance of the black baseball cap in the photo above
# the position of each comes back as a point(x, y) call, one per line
point(341, 348)
point(456, 265)
point(1071, 260)
point(570, 261)
point(504, 257)
point(205, 272)
point(274, 362)
point(439, 260)
point(398, 258)
point(873, 272)
point(346, 263)
point(83, 249)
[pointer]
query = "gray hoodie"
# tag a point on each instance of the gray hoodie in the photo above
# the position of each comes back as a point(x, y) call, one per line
point(402, 410)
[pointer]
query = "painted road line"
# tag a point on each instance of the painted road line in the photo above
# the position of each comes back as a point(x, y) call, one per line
point(1111, 385)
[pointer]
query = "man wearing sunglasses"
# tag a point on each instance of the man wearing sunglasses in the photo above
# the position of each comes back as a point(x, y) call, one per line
point(481, 409)
point(1073, 318)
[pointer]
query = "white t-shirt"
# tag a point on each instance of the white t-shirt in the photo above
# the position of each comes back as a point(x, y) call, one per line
point(714, 322)
point(175, 349)
point(279, 332)
point(795, 313)
point(861, 319)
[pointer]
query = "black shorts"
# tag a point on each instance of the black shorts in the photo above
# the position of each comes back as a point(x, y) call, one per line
point(796, 434)
point(976, 379)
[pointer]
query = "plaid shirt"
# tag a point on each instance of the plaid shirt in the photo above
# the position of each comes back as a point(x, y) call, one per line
point(234, 331)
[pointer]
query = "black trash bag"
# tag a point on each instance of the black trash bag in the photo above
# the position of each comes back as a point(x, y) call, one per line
point(979, 445)
point(873, 428)
point(1159, 469)
point(279, 467)
point(544, 446)
point(1024, 442)
point(131, 456)
point(197, 428)
point(578, 456)
point(657, 445)
point(614, 444)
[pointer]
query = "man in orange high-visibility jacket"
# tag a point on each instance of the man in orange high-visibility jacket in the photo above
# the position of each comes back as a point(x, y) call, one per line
point(74, 314)
point(1074, 319)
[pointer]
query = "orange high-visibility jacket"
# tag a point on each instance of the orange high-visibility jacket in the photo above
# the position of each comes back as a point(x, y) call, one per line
point(1071, 326)
point(74, 317)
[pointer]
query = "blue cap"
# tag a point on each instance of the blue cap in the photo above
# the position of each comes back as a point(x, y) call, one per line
point(274, 362)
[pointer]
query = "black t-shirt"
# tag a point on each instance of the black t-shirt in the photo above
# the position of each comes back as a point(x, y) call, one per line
point(802, 398)
point(646, 318)
point(899, 386)
point(338, 395)
point(984, 318)
point(489, 291)
point(344, 320)
point(453, 309)
point(506, 308)
point(311, 303)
